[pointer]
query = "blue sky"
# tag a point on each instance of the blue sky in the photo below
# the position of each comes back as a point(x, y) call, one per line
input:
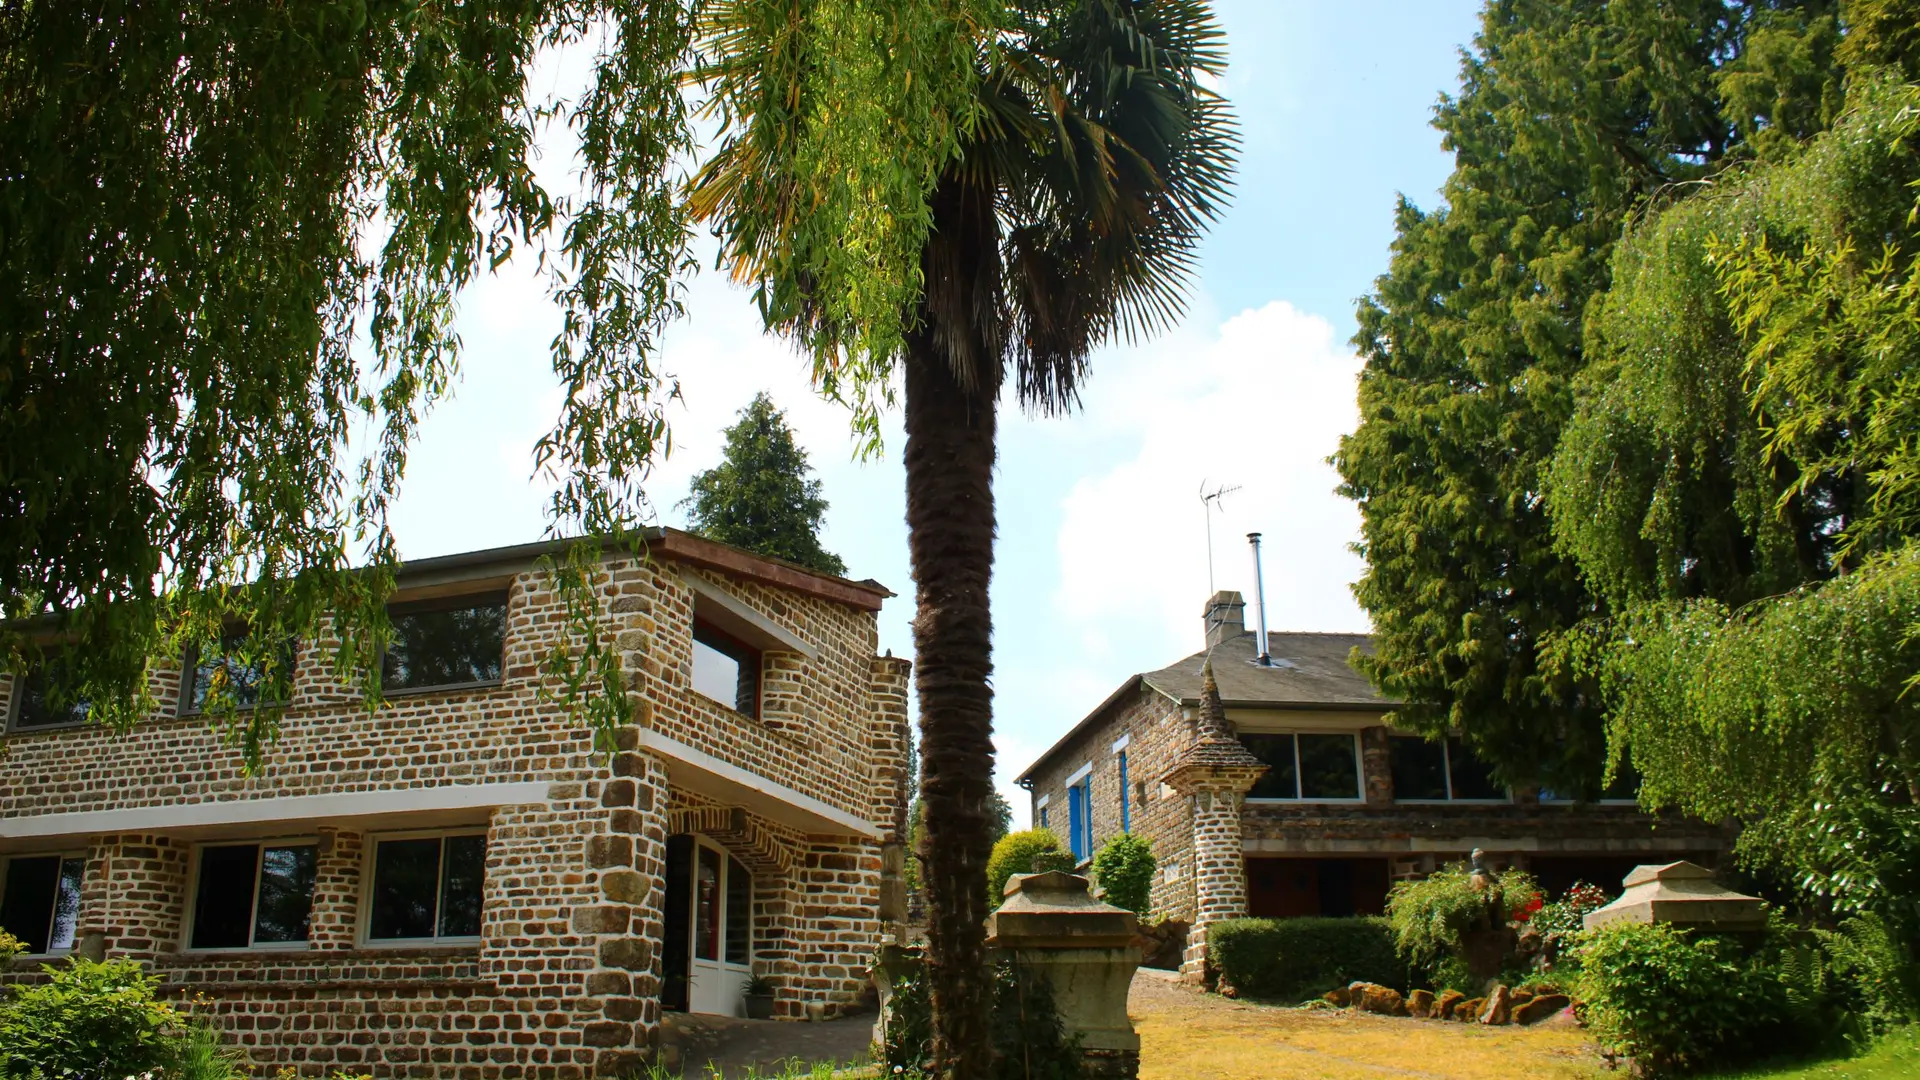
point(1102, 561)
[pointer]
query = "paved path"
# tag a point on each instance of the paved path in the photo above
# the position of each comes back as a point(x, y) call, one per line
point(733, 1048)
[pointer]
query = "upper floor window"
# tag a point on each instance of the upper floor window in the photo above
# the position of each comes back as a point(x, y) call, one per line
point(449, 642)
point(725, 668)
point(253, 896)
point(427, 888)
point(40, 900)
point(1428, 771)
point(237, 671)
point(43, 699)
point(1624, 789)
point(1306, 765)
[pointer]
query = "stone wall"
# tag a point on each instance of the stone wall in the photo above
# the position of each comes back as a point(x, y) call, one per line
point(564, 981)
point(1156, 729)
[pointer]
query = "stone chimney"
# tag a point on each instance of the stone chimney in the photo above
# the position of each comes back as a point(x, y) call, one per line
point(1226, 617)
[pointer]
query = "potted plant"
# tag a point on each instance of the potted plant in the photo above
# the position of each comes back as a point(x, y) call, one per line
point(759, 998)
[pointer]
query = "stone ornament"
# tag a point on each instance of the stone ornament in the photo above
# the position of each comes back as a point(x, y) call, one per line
point(1682, 893)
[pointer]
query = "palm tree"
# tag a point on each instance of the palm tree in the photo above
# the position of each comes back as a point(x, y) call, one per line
point(1068, 218)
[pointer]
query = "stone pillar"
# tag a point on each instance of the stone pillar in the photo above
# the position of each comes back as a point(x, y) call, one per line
point(336, 890)
point(1219, 871)
point(629, 860)
point(133, 898)
point(1214, 772)
point(1050, 926)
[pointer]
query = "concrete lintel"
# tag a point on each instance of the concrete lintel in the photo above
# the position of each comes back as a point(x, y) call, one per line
point(217, 814)
point(737, 618)
point(697, 770)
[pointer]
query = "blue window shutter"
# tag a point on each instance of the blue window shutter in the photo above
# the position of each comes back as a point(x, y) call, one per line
point(1126, 815)
point(1077, 821)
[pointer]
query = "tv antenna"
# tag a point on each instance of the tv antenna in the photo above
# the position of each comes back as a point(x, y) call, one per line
point(1209, 502)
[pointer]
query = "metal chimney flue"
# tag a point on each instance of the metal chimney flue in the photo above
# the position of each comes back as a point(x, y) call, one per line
point(1260, 604)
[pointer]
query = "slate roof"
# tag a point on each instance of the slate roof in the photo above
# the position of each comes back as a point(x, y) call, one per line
point(1309, 670)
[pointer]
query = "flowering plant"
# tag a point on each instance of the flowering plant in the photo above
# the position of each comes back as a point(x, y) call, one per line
point(1564, 916)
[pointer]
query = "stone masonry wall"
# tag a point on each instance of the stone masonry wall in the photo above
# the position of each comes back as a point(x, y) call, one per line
point(564, 981)
point(1156, 728)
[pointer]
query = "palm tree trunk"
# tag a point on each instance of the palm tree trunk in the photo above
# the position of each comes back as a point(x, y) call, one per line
point(950, 527)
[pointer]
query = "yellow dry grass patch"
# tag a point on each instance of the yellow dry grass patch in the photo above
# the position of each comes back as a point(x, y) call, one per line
point(1186, 1035)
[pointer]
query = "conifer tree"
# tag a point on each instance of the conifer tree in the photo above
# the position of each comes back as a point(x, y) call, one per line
point(1570, 117)
point(763, 495)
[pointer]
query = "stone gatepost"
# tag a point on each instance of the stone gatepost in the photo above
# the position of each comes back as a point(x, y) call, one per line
point(1214, 772)
point(1052, 927)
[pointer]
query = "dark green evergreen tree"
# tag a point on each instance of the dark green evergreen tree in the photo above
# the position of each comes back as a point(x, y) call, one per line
point(1570, 117)
point(762, 496)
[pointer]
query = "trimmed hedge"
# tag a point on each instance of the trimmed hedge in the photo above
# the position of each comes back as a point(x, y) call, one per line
point(1295, 959)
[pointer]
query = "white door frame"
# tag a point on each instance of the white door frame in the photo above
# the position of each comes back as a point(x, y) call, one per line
point(715, 984)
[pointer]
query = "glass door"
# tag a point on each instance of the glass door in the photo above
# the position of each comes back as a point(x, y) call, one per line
point(721, 918)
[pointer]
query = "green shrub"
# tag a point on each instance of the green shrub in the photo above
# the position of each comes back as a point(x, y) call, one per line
point(1029, 1040)
point(1013, 854)
point(1674, 1001)
point(10, 946)
point(1124, 868)
point(1063, 861)
point(1428, 916)
point(1870, 961)
point(89, 1019)
point(1292, 959)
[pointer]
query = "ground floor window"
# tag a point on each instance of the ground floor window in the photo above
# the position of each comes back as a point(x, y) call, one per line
point(253, 895)
point(1285, 887)
point(40, 900)
point(427, 888)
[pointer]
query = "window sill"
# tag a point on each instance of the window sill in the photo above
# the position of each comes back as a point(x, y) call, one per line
point(48, 729)
point(726, 708)
point(1453, 802)
point(1307, 802)
point(445, 945)
point(446, 688)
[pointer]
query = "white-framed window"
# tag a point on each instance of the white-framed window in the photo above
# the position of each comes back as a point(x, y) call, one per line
point(1306, 766)
point(254, 895)
point(1425, 770)
point(40, 900)
point(424, 887)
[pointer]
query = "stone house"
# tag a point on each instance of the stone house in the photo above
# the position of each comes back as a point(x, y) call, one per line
point(1292, 793)
point(458, 885)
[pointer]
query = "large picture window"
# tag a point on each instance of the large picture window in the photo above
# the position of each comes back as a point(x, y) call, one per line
point(40, 900)
point(427, 888)
point(451, 642)
point(725, 668)
point(1428, 771)
point(235, 671)
point(1306, 766)
point(41, 701)
point(253, 896)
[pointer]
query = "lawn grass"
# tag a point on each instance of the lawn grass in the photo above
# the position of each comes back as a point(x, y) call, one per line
point(1896, 1057)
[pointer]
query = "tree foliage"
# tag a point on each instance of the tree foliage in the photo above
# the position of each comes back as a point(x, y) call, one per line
point(1740, 481)
point(763, 496)
point(232, 236)
point(1570, 117)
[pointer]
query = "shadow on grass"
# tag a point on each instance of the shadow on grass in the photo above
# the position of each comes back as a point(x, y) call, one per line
point(1896, 1056)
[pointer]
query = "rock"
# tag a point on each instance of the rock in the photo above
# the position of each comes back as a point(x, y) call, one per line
point(1499, 1007)
point(1374, 998)
point(1541, 1008)
point(1420, 1003)
point(1521, 996)
point(1339, 995)
point(1468, 1009)
point(1443, 1005)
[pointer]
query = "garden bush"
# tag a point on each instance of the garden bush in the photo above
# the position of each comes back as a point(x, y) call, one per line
point(1123, 867)
point(1428, 916)
point(1013, 854)
point(89, 1019)
point(1675, 1001)
point(1293, 959)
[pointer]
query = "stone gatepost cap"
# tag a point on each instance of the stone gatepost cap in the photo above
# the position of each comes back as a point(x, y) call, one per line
point(1684, 893)
point(1056, 910)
